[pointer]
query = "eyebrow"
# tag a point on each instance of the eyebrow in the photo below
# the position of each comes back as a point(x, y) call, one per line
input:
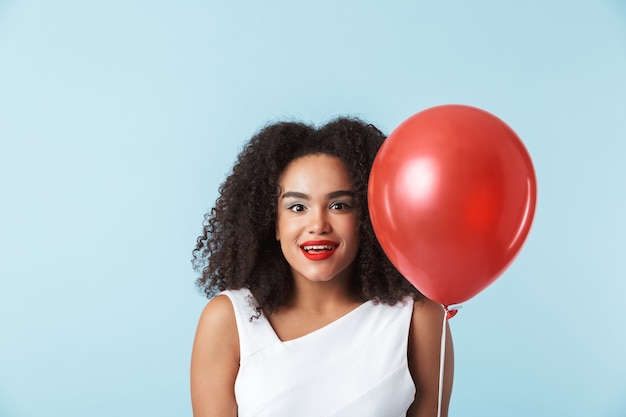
point(331, 195)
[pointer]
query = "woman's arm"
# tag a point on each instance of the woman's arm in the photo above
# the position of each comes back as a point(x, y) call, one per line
point(424, 353)
point(215, 361)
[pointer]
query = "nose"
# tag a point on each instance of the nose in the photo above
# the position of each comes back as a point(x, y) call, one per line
point(318, 222)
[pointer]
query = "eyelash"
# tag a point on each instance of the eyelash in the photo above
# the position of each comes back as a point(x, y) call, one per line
point(298, 208)
point(294, 208)
point(343, 204)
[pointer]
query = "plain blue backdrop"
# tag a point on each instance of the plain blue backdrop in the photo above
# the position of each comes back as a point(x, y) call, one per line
point(119, 120)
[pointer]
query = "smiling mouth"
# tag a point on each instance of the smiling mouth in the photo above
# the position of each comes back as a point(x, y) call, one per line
point(317, 248)
point(318, 251)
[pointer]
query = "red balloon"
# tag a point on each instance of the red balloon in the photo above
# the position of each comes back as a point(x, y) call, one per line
point(452, 196)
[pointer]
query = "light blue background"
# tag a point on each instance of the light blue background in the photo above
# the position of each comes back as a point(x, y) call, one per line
point(119, 119)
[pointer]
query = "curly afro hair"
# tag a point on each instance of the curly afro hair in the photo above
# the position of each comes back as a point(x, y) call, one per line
point(238, 247)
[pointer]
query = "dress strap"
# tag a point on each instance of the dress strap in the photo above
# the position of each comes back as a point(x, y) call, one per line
point(255, 334)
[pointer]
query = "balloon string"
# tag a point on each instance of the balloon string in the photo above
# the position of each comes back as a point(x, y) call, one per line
point(450, 311)
point(442, 357)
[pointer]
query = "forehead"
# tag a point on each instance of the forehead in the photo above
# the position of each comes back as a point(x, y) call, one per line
point(315, 172)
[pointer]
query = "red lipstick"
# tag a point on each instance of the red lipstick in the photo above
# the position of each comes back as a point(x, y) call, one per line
point(318, 250)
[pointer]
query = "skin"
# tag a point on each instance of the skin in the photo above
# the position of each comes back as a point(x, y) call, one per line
point(215, 361)
point(315, 204)
point(423, 355)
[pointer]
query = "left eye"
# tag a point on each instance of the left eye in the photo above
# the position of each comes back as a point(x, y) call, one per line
point(339, 206)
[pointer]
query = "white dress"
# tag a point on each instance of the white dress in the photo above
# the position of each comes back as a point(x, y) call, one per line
point(355, 366)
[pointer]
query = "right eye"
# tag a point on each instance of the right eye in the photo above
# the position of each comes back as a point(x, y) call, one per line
point(296, 208)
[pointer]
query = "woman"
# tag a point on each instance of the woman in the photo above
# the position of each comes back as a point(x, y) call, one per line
point(308, 317)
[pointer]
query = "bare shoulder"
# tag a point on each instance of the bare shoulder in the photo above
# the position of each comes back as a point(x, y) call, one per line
point(215, 360)
point(424, 356)
point(427, 313)
point(219, 314)
point(217, 329)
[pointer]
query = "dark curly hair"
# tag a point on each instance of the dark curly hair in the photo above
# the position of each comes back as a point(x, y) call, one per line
point(238, 247)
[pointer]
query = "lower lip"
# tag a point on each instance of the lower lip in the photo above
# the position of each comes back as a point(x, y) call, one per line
point(318, 256)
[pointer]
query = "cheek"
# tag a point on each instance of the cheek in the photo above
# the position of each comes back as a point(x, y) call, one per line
point(353, 232)
point(281, 228)
point(282, 248)
point(356, 244)
point(286, 230)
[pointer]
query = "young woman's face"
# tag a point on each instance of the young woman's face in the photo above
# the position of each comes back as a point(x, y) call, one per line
point(317, 218)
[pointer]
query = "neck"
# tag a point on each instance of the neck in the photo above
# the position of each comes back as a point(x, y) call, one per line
point(321, 296)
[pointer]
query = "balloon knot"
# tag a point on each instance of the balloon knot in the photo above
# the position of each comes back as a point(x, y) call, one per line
point(451, 312)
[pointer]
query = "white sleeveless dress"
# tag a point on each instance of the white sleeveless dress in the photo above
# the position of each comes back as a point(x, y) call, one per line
point(355, 366)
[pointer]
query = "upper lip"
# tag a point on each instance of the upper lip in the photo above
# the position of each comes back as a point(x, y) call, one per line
point(318, 243)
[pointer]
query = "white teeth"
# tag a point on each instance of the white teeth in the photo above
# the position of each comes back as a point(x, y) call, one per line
point(317, 247)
